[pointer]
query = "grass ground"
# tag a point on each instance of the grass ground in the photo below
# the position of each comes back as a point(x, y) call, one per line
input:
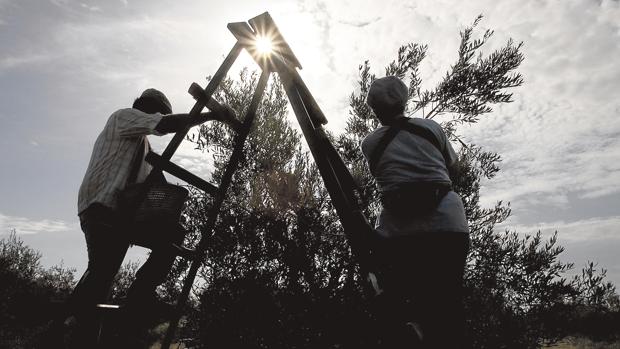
point(569, 343)
point(583, 343)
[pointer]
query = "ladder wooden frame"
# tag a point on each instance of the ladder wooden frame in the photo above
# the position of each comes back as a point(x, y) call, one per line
point(336, 176)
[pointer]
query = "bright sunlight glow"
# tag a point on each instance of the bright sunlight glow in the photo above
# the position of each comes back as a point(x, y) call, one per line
point(264, 45)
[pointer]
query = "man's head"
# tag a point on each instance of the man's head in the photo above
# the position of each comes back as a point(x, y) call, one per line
point(387, 97)
point(153, 101)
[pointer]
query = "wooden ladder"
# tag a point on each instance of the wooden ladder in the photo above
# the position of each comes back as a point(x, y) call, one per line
point(335, 174)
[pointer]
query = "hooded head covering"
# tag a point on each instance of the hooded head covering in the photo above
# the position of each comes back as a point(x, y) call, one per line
point(158, 96)
point(387, 95)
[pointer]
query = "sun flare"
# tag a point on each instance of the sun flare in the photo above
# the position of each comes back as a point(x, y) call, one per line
point(264, 45)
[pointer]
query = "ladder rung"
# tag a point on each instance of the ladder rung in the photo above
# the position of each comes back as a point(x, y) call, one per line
point(199, 95)
point(157, 161)
point(183, 251)
point(108, 307)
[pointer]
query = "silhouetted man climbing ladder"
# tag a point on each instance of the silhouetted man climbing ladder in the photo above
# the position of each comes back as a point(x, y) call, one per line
point(110, 223)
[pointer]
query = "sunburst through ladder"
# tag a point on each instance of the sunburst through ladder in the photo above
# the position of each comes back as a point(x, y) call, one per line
point(281, 60)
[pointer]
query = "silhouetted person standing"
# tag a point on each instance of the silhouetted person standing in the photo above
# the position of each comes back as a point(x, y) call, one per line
point(424, 232)
point(119, 148)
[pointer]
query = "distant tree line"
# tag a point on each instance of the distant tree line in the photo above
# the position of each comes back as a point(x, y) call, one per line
point(31, 295)
point(26, 288)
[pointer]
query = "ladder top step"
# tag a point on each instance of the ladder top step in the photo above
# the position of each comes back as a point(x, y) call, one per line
point(265, 26)
point(199, 95)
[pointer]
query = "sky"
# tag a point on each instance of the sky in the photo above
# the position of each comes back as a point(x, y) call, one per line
point(66, 65)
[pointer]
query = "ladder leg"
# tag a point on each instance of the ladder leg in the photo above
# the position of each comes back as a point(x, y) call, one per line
point(334, 173)
point(314, 142)
point(215, 209)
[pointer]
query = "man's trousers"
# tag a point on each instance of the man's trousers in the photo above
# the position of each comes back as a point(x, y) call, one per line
point(422, 279)
point(107, 245)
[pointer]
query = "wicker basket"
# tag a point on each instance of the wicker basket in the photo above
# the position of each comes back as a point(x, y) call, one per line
point(156, 218)
point(161, 202)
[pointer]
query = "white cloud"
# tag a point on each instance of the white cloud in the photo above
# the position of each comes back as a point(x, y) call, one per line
point(596, 228)
point(91, 8)
point(561, 134)
point(359, 22)
point(11, 62)
point(595, 239)
point(25, 225)
point(60, 3)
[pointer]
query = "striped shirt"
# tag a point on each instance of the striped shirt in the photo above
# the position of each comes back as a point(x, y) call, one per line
point(411, 158)
point(113, 156)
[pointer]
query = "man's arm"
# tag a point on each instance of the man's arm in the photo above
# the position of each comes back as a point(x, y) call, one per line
point(178, 122)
